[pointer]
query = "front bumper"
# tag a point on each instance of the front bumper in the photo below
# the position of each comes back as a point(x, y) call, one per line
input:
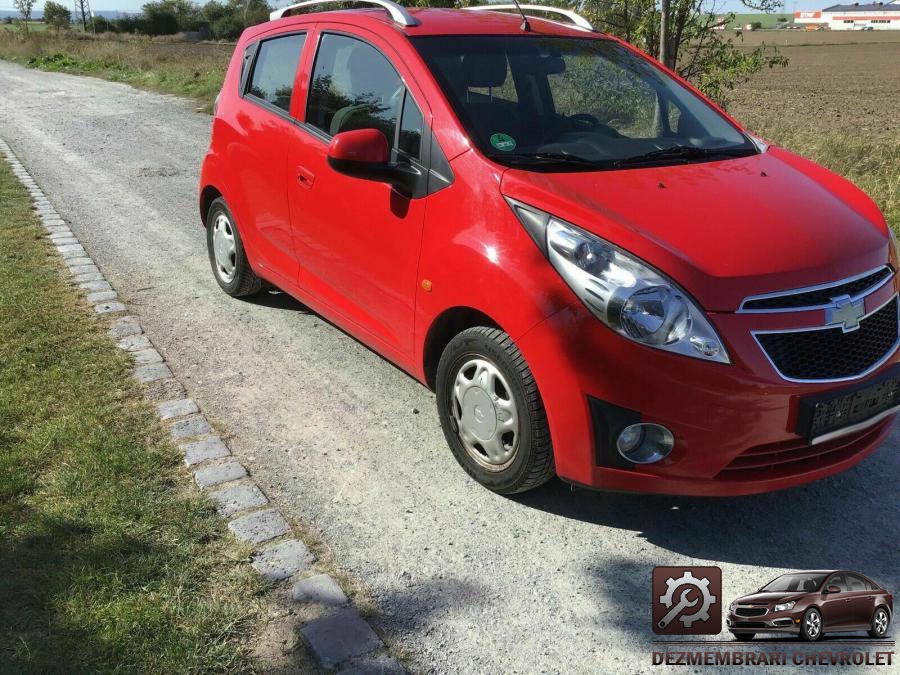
point(734, 425)
point(779, 622)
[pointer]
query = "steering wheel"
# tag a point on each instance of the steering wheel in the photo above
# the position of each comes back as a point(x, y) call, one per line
point(589, 122)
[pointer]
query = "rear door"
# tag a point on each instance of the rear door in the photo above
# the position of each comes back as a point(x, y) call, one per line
point(862, 596)
point(263, 125)
point(358, 240)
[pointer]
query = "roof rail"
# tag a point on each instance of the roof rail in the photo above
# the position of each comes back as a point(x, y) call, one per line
point(399, 14)
point(578, 20)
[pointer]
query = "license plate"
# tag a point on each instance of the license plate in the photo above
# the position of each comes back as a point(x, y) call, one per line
point(823, 414)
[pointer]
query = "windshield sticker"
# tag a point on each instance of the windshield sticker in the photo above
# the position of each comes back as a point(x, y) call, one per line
point(503, 142)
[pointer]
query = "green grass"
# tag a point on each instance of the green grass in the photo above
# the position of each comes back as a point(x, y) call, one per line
point(109, 559)
point(191, 70)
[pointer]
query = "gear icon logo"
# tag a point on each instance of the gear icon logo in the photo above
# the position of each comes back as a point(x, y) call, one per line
point(687, 600)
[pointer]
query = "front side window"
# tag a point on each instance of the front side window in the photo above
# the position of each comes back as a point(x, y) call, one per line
point(272, 80)
point(574, 103)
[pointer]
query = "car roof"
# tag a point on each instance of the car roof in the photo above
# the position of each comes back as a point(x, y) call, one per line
point(435, 21)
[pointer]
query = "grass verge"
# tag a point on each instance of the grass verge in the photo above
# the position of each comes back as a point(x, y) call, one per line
point(109, 560)
point(193, 70)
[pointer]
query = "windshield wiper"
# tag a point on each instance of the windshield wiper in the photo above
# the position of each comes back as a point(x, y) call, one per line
point(542, 158)
point(686, 152)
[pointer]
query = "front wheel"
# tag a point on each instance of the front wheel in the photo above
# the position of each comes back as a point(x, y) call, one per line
point(492, 413)
point(880, 623)
point(811, 626)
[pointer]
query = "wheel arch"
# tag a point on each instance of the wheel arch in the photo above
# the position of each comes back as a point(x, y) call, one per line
point(207, 196)
point(449, 323)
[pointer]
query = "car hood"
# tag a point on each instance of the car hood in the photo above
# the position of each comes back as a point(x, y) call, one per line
point(725, 229)
point(770, 598)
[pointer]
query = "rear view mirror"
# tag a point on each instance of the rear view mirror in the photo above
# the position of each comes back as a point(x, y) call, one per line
point(833, 589)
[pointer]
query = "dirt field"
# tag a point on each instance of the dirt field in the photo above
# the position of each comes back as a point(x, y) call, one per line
point(795, 38)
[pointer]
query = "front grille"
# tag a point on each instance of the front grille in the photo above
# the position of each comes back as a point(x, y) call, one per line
point(750, 611)
point(790, 458)
point(821, 296)
point(830, 353)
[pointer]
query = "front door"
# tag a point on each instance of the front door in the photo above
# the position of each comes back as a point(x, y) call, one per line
point(837, 610)
point(357, 240)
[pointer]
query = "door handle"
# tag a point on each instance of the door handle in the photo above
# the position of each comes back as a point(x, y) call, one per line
point(847, 600)
point(305, 177)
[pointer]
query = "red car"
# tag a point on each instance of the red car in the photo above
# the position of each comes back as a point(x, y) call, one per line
point(600, 273)
point(810, 604)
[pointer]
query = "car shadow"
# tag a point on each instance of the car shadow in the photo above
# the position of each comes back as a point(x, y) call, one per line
point(848, 520)
point(277, 300)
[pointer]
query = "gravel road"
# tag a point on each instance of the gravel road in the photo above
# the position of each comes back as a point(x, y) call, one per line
point(465, 581)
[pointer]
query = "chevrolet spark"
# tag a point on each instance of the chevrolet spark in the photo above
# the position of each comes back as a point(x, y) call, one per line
point(600, 273)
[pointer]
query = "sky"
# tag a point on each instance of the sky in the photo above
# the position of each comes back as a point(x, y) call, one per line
point(135, 5)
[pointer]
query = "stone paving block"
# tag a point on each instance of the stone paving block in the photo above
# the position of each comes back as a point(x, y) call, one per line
point(177, 408)
point(321, 589)
point(164, 390)
point(78, 270)
point(71, 251)
point(62, 233)
point(133, 343)
point(95, 286)
point(189, 426)
point(147, 356)
point(66, 241)
point(375, 665)
point(107, 307)
point(87, 276)
point(282, 560)
point(203, 450)
point(101, 296)
point(125, 326)
point(216, 474)
point(237, 498)
point(152, 371)
point(340, 636)
point(57, 229)
point(52, 222)
point(81, 265)
point(259, 526)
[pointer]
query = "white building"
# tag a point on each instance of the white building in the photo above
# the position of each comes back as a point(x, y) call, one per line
point(872, 16)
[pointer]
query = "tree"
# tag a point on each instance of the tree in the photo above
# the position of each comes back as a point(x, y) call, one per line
point(690, 45)
point(57, 15)
point(24, 7)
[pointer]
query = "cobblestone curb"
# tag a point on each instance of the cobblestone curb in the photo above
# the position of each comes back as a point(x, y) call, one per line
point(339, 637)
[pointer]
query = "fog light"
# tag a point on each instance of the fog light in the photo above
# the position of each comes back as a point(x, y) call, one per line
point(645, 443)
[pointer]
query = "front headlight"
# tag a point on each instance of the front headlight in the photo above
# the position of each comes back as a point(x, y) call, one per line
point(626, 294)
point(785, 607)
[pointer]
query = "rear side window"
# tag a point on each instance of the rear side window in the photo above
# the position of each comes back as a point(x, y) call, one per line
point(355, 87)
point(856, 583)
point(272, 80)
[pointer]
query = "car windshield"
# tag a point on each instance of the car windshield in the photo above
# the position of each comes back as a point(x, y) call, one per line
point(802, 583)
point(551, 103)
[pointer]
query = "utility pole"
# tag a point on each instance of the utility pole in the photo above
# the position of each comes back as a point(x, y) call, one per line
point(664, 32)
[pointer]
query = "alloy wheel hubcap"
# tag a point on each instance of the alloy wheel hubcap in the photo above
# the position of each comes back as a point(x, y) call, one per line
point(224, 248)
point(812, 625)
point(485, 414)
point(881, 622)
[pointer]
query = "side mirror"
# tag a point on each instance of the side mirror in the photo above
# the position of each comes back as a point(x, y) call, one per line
point(364, 153)
point(833, 589)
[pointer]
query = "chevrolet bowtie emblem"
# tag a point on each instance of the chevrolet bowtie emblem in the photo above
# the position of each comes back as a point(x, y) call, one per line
point(845, 313)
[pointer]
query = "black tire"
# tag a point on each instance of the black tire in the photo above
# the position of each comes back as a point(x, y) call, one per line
point(812, 617)
point(531, 454)
point(244, 280)
point(743, 637)
point(876, 632)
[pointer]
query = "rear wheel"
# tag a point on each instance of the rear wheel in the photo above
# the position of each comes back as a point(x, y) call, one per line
point(811, 626)
point(492, 413)
point(880, 623)
point(226, 253)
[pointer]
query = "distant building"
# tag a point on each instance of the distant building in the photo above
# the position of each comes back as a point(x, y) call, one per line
point(872, 16)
